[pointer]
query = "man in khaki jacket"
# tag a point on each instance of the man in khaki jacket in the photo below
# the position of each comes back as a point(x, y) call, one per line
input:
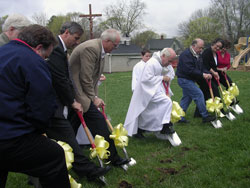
point(86, 66)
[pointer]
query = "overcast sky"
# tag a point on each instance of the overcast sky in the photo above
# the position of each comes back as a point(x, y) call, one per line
point(163, 16)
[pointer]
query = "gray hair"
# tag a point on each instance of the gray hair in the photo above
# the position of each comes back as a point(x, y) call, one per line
point(110, 34)
point(165, 52)
point(72, 27)
point(17, 21)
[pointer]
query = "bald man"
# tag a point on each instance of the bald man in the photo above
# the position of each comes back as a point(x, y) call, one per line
point(190, 70)
point(150, 108)
point(12, 26)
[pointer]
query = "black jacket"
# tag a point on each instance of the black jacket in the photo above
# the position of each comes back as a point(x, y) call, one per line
point(58, 66)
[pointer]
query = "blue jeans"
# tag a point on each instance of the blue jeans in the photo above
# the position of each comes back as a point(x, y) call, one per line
point(191, 92)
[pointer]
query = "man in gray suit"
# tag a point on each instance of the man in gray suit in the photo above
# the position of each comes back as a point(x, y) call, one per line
point(12, 26)
point(86, 66)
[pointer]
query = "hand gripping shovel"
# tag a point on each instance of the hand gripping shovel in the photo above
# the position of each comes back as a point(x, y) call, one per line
point(102, 178)
point(216, 123)
point(131, 160)
point(174, 139)
point(235, 107)
point(229, 115)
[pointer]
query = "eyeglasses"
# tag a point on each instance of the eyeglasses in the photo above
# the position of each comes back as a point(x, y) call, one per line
point(115, 45)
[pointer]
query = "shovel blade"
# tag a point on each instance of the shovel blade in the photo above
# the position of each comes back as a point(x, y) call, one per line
point(103, 180)
point(132, 162)
point(124, 167)
point(230, 116)
point(238, 108)
point(174, 139)
point(216, 123)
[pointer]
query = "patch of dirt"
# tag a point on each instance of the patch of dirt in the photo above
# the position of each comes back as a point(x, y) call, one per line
point(125, 184)
point(185, 149)
point(166, 161)
point(170, 171)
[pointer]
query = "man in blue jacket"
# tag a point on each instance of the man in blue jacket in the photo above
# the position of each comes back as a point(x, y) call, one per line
point(190, 70)
point(27, 103)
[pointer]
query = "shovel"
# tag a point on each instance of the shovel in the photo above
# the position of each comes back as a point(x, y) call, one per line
point(216, 123)
point(229, 115)
point(131, 160)
point(174, 139)
point(236, 108)
point(102, 178)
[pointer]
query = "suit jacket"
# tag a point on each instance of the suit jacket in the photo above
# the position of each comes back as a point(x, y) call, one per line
point(208, 59)
point(3, 39)
point(58, 66)
point(86, 66)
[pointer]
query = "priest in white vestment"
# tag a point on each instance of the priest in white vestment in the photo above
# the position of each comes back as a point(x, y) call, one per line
point(138, 68)
point(150, 108)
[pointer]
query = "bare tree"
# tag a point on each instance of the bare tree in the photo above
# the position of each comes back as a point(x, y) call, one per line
point(124, 16)
point(40, 18)
point(235, 17)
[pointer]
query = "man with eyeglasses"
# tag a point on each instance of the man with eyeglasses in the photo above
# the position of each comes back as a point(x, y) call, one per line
point(86, 65)
point(12, 26)
point(190, 70)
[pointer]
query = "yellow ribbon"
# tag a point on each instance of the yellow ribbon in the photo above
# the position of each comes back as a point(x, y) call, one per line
point(101, 148)
point(234, 90)
point(227, 98)
point(120, 136)
point(177, 112)
point(214, 106)
point(73, 183)
point(69, 156)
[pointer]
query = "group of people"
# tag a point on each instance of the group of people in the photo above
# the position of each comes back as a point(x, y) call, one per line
point(150, 107)
point(42, 88)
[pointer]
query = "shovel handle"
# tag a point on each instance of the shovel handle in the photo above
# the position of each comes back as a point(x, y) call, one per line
point(210, 88)
point(166, 86)
point(225, 76)
point(86, 129)
point(218, 81)
point(106, 118)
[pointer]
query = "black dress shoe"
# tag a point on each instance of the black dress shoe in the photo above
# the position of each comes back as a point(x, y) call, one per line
point(167, 128)
point(183, 120)
point(120, 162)
point(208, 119)
point(139, 135)
point(96, 173)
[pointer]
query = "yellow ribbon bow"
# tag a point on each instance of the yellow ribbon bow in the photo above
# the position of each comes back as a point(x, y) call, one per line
point(234, 90)
point(100, 149)
point(214, 106)
point(119, 135)
point(69, 156)
point(227, 98)
point(177, 112)
point(73, 183)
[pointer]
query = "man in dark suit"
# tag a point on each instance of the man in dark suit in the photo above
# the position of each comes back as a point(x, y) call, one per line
point(61, 128)
point(86, 66)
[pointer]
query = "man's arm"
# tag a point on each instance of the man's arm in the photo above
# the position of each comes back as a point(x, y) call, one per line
point(40, 97)
point(62, 84)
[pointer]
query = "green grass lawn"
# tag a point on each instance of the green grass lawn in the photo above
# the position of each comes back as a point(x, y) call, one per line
point(208, 157)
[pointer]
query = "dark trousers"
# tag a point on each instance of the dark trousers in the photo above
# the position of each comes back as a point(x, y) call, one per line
point(62, 130)
point(205, 88)
point(34, 155)
point(97, 125)
point(223, 80)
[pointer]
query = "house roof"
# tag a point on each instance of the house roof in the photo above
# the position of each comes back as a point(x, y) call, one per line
point(127, 49)
point(159, 44)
